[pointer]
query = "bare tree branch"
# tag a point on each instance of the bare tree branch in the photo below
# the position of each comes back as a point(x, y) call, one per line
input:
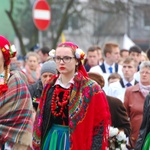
point(62, 22)
point(9, 13)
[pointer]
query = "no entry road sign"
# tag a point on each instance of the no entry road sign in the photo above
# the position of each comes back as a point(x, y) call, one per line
point(41, 14)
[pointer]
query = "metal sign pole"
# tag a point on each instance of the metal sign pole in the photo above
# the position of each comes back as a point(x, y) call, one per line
point(40, 38)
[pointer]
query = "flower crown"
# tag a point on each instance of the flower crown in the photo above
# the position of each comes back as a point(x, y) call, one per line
point(8, 52)
point(79, 54)
point(52, 53)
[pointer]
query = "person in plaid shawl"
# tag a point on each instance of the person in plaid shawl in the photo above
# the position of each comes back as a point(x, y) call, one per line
point(15, 104)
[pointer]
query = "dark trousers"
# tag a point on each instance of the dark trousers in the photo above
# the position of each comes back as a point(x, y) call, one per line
point(3, 147)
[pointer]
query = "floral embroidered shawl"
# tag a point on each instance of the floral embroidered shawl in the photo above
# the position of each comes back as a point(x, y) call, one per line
point(89, 116)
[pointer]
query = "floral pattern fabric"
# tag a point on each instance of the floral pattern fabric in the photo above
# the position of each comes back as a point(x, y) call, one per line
point(88, 115)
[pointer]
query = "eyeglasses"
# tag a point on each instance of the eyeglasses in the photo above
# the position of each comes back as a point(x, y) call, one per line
point(65, 59)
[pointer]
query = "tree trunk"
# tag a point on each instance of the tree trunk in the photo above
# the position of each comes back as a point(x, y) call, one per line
point(62, 22)
point(23, 51)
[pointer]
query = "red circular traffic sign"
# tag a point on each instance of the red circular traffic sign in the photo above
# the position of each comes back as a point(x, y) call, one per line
point(41, 14)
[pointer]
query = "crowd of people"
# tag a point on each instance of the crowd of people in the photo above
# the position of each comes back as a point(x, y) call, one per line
point(64, 99)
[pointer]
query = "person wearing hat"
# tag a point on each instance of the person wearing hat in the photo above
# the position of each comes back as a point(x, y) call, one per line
point(15, 104)
point(73, 112)
point(47, 71)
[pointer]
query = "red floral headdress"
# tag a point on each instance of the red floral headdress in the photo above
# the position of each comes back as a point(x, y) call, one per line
point(8, 51)
point(79, 54)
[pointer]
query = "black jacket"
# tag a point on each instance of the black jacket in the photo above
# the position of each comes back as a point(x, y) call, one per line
point(87, 67)
point(119, 115)
point(35, 91)
point(145, 126)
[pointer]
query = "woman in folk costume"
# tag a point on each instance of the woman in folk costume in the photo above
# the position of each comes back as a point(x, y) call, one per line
point(73, 113)
point(15, 104)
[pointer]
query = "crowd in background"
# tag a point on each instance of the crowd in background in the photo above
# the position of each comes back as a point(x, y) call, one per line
point(123, 74)
point(120, 70)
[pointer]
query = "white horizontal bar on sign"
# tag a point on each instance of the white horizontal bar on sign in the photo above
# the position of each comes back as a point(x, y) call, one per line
point(41, 14)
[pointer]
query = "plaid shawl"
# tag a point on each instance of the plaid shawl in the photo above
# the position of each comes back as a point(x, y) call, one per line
point(16, 114)
point(89, 116)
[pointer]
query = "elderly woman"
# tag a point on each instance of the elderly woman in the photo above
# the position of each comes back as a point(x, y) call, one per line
point(134, 101)
point(73, 112)
point(15, 104)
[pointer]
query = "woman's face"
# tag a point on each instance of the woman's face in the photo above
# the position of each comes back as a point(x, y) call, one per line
point(145, 76)
point(32, 62)
point(68, 64)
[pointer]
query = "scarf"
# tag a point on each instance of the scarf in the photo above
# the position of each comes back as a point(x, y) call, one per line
point(32, 76)
point(16, 114)
point(87, 105)
point(144, 89)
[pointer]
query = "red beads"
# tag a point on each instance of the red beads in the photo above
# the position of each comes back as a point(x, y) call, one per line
point(56, 102)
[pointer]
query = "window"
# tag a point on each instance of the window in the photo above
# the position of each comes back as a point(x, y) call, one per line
point(146, 18)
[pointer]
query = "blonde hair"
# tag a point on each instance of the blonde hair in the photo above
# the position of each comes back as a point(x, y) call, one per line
point(32, 54)
point(144, 55)
point(7, 70)
point(108, 47)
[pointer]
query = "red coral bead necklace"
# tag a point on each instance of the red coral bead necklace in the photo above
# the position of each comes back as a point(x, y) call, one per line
point(56, 102)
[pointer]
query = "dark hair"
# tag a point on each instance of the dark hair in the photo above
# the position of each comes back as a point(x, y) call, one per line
point(136, 49)
point(148, 53)
point(93, 48)
point(114, 76)
point(45, 50)
point(123, 50)
point(97, 77)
